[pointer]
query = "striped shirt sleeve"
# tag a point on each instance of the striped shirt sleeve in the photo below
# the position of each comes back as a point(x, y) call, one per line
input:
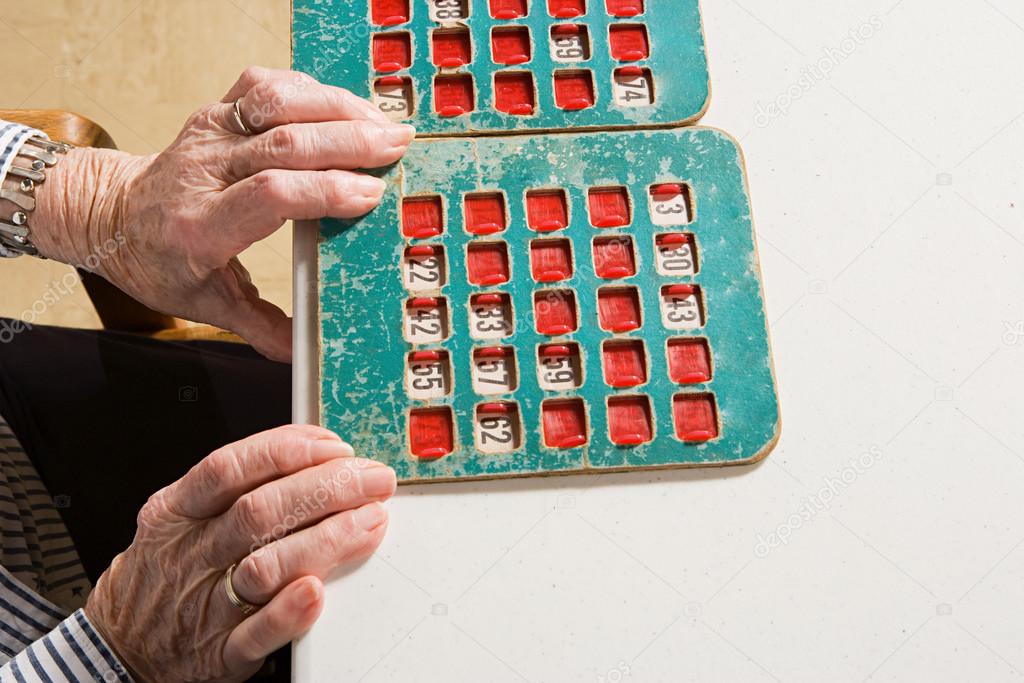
point(73, 651)
point(41, 581)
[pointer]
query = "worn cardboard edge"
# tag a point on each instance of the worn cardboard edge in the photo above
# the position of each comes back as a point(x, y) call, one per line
point(305, 324)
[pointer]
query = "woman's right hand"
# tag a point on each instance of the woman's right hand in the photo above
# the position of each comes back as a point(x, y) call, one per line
point(288, 506)
point(167, 229)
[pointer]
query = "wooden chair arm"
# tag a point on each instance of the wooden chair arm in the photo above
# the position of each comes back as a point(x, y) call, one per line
point(61, 125)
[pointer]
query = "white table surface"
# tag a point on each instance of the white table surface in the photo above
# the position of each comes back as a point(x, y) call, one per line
point(888, 204)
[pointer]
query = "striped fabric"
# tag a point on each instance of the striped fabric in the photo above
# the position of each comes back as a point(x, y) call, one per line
point(36, 547)
point(41, 581)
point(12, 137)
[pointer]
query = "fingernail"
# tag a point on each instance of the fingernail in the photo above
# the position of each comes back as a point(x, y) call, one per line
point(401, 134)
point(371, 516)
point(377, 481)
point(370, 186)
point(307, 595)
point(329, 449)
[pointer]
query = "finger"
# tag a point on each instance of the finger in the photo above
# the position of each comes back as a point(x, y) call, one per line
point(343, 145)
point(264, 326)
point(252, 75)
point(256, 207)
point(281, 507)
point(261, 323)
point(291, 613)
point(298, 98)
point(345, 537)
point(212, 486)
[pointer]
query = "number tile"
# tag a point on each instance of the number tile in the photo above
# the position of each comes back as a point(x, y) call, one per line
point(689, 360)
point(451, 48)
point(695, 417)
point(614, 257)
point(570, 43)
point(559, 367)
point(624, 363)
point(574, 90)
point(491, 316)
point(511, 45)
point(624, 8)
point(448, 11)
point(498, 428)
point(422, 217)
point(485, 213)
point(426, 320)
point(629, 420)
point(428, 375)
point(682, 307)
point(551, 260)
point(618, 309)
point(424, 268)
point(567, 9)
point(514, 93)
point(609, 207)
point(494, 371)
point(389, 12)
point(629, 42)
point(431, 432)
point(487, 263)
point(509, 9)
point(671, 204)
point(394, 96)
point(392, 51)
point(675, 254)
point(633, 86)
point(454, 95)
point(547, 210)
point(555, 312)
point(564, 422)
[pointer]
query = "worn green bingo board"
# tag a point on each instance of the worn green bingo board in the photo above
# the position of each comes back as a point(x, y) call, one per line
point(558, 303)
point(499, 66)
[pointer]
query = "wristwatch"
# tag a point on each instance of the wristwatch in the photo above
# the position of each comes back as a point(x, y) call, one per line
point(27, 170)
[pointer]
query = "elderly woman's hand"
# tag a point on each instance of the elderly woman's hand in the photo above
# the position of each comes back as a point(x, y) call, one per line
point(288, 506)
point(167, 229)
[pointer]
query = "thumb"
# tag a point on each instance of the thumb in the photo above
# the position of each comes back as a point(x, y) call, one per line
point(267, 329)
point(259, 322)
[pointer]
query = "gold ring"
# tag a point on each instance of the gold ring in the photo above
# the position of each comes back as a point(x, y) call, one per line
point(237, 110)
point(229, 588)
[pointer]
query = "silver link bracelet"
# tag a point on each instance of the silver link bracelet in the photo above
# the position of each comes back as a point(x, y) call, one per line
point(42, 154)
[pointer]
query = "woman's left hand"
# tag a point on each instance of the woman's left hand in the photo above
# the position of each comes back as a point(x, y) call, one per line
point(289, 506)
point(167, 229)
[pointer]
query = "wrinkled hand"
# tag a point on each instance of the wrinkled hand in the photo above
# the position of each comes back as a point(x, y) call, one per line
point(167, 229)
point(289, 506)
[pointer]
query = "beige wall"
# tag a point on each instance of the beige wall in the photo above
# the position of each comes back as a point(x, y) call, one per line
point(137, 68)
